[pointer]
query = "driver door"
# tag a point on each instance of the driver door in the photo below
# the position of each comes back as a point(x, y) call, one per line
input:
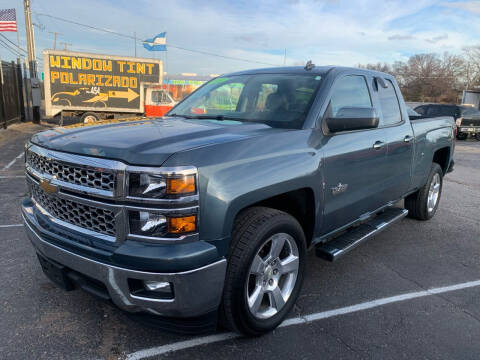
point(354, 161)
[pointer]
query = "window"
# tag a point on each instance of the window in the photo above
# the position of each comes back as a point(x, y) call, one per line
point(421, 109)
point(434, 110)
point(389, 104)
point(349, 91)
point(449, 110)
point(160, 97)
point(265, 91)
point(277, 100)
point(220, 100)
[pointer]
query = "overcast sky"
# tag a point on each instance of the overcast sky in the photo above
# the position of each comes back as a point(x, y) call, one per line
point(340, 32)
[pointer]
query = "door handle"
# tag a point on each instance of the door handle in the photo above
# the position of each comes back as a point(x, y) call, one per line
point(408, 138)
point(378, 145)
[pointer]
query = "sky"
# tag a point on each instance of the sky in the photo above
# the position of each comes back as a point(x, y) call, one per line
point(328, 32)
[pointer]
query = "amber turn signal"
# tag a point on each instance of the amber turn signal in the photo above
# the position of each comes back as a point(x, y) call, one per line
point(181, 185)
point(180, 225)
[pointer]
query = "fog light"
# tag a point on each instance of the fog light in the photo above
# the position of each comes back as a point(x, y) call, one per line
point(158, 286)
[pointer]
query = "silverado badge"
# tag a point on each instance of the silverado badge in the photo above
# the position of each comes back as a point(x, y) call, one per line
point(48, 187)
point(340, 188)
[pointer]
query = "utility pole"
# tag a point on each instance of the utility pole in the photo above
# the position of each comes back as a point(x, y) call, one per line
point(32, 63)
point(55, 38)
point(285, 57)
point(65, 45)
point(135, 42)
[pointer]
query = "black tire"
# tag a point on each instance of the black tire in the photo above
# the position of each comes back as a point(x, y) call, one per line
point(462, 136)
point(416, 203)
point(477, 136)
point(88, 116)
point(252, 228)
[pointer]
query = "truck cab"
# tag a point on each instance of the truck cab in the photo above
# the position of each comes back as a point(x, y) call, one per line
point(158, 101)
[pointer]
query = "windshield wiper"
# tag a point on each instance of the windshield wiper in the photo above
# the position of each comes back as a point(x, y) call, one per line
point(218, 117)
point(183, 116)
point(209, 117)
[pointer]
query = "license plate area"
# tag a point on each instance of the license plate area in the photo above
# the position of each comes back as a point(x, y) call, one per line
point(56, 273)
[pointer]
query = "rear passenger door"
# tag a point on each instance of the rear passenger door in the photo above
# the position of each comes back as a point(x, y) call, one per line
point(400, 140)
point(354, 161)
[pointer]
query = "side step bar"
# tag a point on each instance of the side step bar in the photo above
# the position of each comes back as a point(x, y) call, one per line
point(341, 245)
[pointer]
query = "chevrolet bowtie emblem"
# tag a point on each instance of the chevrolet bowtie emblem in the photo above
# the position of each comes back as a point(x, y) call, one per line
point(48, 187)
point(340, 188)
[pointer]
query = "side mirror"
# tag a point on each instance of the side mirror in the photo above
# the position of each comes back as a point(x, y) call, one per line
point(353, 118)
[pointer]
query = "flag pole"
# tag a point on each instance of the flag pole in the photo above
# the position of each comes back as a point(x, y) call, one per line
point(166, 63)
point(18, 36)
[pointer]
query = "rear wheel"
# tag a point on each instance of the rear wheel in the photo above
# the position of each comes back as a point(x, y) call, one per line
point(423, 204)
point(89, 118)
point(265, 270)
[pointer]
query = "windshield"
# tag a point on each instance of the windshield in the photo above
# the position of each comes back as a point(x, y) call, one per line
point(468, 111)
point(278, 100)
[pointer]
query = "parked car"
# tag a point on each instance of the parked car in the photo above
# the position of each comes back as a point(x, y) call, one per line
point(466, 118)
point(211, 214)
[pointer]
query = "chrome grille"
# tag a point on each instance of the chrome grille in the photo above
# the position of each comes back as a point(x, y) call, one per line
point(102, 180)
point(87, 217)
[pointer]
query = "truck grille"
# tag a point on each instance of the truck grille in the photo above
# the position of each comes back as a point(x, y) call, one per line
point(102, 180)
point(87, 217)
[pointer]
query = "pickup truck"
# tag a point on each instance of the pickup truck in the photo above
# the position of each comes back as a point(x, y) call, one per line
point(466, 117)
point(204, 216)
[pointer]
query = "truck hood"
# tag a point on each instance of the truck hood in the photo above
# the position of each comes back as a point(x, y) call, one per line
point(146, 142)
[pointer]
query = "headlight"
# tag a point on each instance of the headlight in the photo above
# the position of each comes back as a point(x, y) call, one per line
point(458, 121)
point(152, 224)
point(161, 186)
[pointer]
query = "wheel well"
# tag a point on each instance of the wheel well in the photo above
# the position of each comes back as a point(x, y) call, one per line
point(298, 203)
point(441, 157)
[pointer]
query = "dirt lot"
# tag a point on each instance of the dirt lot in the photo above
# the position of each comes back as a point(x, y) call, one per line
point(412, 292)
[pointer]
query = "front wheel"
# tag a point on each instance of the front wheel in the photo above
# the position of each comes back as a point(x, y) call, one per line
point(423, 204)
point(265, 270)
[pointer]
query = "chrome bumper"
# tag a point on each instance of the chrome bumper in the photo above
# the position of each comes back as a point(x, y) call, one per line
point(196, 292)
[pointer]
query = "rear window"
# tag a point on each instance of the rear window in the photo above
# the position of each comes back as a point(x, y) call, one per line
point(389, 104)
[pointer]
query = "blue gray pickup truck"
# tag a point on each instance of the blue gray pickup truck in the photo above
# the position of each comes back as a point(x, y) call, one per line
point(205, 216)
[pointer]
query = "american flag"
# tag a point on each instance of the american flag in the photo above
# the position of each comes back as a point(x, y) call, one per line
point(8, 20)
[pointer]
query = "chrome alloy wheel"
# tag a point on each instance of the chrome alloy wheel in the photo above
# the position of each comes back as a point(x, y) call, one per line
point(272, 276)
point(433, 193)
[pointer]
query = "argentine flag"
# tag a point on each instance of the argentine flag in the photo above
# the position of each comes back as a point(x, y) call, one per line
point(157, 43)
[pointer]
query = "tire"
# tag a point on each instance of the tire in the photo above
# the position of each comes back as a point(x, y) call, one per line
point(89, 118)
point(462, 136)
point(254, 229)
point(417, 204)
point(477, 136)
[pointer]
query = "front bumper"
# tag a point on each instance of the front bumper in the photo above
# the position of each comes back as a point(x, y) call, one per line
point(196, 292)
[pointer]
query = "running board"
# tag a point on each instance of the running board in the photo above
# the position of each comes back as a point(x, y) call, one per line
point(341, 245)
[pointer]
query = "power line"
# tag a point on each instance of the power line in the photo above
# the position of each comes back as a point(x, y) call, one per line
point(169, 45)
point(11, 49)
point(11, 42)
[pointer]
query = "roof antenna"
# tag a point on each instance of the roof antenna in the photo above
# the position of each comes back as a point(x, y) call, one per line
point(309, 66)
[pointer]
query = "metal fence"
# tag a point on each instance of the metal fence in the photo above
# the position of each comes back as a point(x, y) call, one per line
point(12, 95)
